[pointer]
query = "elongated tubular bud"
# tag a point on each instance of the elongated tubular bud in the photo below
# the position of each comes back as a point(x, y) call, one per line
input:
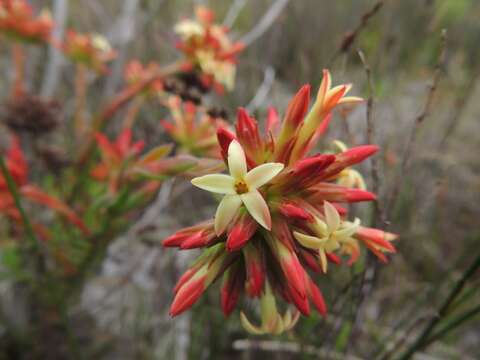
point(193, 285)
point(377, 237)
point(247, 129)
point(225, 137)
point(316, 297)
point(188, 294)
point(296, 110)
point(333, 192)
point(301, 303)
point(294, 212)
point(241, 232)
point(310, 260)
point(348, 158)
point(231, 290)
point(255, 270)
point(273, 121)
point(304, 174)
point(289, 263)
point(198, 240)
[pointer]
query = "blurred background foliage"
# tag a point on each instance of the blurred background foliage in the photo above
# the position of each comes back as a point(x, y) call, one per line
point(374, 308)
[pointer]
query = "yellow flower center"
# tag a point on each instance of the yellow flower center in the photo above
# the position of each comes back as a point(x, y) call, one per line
point(241, 187)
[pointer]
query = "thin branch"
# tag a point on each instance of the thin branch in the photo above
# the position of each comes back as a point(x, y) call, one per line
point(263, 90)
point(233, 12)
point(12, 187)
point(453, 324)
point(50, 80)
point(460, 107)
point(378, 211)
point(350, 36)
point(422, 340)
point(419, 120)
point(265, 22)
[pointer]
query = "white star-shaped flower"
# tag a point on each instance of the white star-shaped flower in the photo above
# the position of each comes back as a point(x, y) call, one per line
point(240, 187)
point(330, 234)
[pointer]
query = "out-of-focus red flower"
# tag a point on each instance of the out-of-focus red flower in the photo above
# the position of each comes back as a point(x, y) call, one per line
point(18, 169)
point(91, 50)
point(135, 72)
point(121, 162)
point(280, 217)
point(194, 130)
point(208, 47)
point(19, 23)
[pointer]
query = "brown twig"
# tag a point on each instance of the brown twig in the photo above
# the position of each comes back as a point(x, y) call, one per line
point(419, 120)
point(350, 36)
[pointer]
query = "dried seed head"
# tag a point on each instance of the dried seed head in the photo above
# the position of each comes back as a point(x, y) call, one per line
point(32, 114)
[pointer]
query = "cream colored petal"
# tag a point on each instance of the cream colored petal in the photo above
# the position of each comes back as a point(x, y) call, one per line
point(226, 210)
point(279, 327)
point(348, 231)
point(217, 183)
point(292, 319)
point(331, 246)
point(262, 174)
point(311, 242)
point(258, 208)
point(236, 160)
point(332, 218)
point(323, 261)
point(248, 326)
point(320, 227)
point(350, 100)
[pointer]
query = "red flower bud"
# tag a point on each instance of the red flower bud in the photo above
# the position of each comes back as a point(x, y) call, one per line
point(232, 285)
point(188, 294)
point(225, 137)
point(297, 108)
point(241, 232)
point(316, 297)
point(294, 212)
point(348, 158)
point(255, 270)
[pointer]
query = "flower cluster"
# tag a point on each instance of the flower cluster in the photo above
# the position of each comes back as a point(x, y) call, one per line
point(193, 128)
point(19, 23)
point(135, 72)
point(91, 50)
point(208, 47)
point(17, 167)
point(121, 162)
point(280, 220)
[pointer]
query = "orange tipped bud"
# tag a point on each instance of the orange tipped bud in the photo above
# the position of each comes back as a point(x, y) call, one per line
point(297, 108)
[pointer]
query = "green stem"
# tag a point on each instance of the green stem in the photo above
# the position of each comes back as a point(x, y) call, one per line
point(422, 340)
point(12, 187)
point(451, 325)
